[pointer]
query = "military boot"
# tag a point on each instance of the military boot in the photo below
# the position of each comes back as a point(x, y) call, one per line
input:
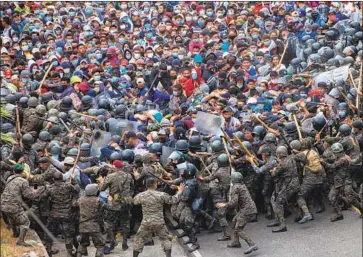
point(135, 254)
point(282, 227)
point(337, 217)
point(168, 253)
point(307, 217)
point(124, 243)
point(235, 243)
point(225, 236)
point(16, 231)
point(21, 238)
point(274, 223)
point(193, 240)
point(250, 249)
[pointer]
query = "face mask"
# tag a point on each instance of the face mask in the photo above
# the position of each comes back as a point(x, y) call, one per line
point(55, 63)
point(180, 23)
point(59, 50)
point(124, 85)
point(210, 14)
point(188, 18)
point(196, 40)
point(97, 78)
point(175, 93)
point(128, 56)
point(146, 9)
point(147, 73)
point(140, 41)
point(150, 55)
point(124, 6)
point(123, 70)
point(15, 39)
point(75, 62)
point(122, 40)
point(255, 36)
point(175, 54)
point(115, 79)
point(194, 76)
point(267, 43)
point(25, 48)
point(67, 70)
point(137, 56)
point(24, 80)
point(109, 68)
point(104, 49)
point(147, 26)
point(201, 23)
point(195, 18)
point(88, 12)
point(149, 35)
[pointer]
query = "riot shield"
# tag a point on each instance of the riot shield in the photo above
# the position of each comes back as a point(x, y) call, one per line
point(209, 124)
point(122, 125)
point(307, 127)
point(100, 142)
point(332, 75)
point(166, 151)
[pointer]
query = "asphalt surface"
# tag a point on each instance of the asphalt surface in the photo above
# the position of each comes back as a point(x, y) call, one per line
point(319, 237)
point(149, 251)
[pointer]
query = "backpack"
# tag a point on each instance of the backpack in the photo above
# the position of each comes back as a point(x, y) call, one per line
point(84, 180)
point(313, 161)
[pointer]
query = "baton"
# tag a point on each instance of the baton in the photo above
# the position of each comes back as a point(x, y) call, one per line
point(245, 148)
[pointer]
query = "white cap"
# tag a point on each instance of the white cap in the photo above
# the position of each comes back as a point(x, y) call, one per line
point(69, 160)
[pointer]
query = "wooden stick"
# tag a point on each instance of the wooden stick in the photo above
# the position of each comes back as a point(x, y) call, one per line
point(297, 126)
point(44, 78)
point(265, 125)
point(359, 90)
point(227, 152)
point(18, 125)
point(245, 148)
point(85, 115)
point(205, 166)
point(284, 52)
point(352, 79)
point(78, 154)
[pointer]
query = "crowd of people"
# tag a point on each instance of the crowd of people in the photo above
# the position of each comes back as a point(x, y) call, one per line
point(113, 113)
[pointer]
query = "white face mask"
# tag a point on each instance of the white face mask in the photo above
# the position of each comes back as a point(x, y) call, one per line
point(137, 56)
point(67, 70)
point(150, 55)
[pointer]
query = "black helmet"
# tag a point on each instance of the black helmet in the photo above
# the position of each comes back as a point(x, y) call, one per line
point(18, 95)
point(23, 101)
point(87, 102)
point(91, 190)
point(120, 111)
point(85, 150)
point(319, 122)
point(92, 112)
point(189, 171)
point(305, 38)
point(156, 148)
point(259, 131)
point(11, 99)
point(73, 152)
point(265, 150)
point(115, 156)
point(27, 139)
point(315, 47)
point(66, 104)
point(345, 130)
point(247, 144)
point(295, 62)
point(128, 155)
point(104, 104)
point(46, 97)
point(240, 135)
point(290, 128)
point(332, 34)
point(222, 160)
point(195, 142)
point(307, 52)
point(63, 116)
point(6, 127)
point(139, 108)
point(217, 146)
point(116, 139)
point(45, 136)
point(182, 146)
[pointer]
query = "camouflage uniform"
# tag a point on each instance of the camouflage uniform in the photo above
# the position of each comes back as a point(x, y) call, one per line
point(40, 207)
point(286, 185)
point(26, 115)
point(62, 197)
point(312, 179)
point(33, 124)
point(43, 176)
point(267, 184)
point(152, 203)
point(30, 157)
point(11, 201)
point(90, 224)
point(250, 177)
point(342, 189)
point(219, 196)
point(119, 184)
point(246, 209)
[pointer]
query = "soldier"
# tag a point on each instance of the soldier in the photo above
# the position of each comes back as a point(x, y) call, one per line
point(223, 176)
point(90, 225)
point(27, 112)
point(44, 173)
point(30, 155)
point(34, 124)
point(242, 201)
point(268, 163)
point(342, 182)
point(12, 204)
point(313, 175)
point(190, 193)
point(152, 203)
point(358, 132)
point(62, 196)
point(118, 183)
point(286, 185)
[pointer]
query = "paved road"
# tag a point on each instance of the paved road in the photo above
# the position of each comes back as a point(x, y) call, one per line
point(317, 238)
point(149, 251)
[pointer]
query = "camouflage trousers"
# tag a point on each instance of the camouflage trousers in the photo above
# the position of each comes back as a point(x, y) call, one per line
point(187, 218)
point(68, 230)
point(97, 240)
point(146, 231)
point(343, 193)
point(220, 213)
point(280, 198)
point(239, 222)
point(304, 191)
point(19, 219)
